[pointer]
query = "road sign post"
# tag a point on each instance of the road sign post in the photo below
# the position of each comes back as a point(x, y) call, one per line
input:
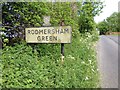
point(62, 44)
point(46, 34)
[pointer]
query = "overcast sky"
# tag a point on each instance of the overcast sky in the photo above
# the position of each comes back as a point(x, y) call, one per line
point(111, 6)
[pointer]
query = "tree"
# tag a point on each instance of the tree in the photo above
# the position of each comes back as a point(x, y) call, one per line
point(103, 27)
point(16, 16)
point(118, 21)
point(87, 13)
point(113, 22)
point(110, 24)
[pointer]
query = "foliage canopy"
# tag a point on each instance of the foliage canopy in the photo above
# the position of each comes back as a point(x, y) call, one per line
point(111, 24)
point(16, 16)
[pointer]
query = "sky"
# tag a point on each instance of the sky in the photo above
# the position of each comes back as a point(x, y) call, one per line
point(111, 6)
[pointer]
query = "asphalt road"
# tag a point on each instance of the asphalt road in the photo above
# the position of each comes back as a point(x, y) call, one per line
point(107, 49)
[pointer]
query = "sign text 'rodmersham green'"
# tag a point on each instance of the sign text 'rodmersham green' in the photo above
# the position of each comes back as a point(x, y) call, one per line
point(61, 34)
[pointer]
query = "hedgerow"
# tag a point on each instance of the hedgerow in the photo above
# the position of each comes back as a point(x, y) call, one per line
point(39, 65)
point(24, 66)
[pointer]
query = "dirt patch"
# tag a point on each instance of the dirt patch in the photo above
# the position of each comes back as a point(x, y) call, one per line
point(113, 33)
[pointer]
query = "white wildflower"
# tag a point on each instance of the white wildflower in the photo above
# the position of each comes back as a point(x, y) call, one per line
point(80, 40)
point(97, 69)
point(93, 70)
point(83, 62)
point(71, 57)
point(90, 61)
point(86, 78)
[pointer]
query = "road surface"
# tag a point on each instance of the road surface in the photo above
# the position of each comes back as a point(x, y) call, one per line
point(107, 49)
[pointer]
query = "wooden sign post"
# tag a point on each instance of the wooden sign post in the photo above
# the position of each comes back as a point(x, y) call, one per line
point(62, 44)
point(62, 52)
point(61, 34)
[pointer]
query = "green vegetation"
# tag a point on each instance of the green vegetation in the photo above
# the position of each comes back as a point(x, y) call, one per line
point(39, 65)
point(26, 67)
point(111, 24)
point(86, 16)
point(19, 15)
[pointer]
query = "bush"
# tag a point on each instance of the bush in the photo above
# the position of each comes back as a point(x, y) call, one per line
point(30, 14)
point(36, 66)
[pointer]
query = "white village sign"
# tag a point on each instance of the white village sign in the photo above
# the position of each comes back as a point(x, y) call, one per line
point(60, 34)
